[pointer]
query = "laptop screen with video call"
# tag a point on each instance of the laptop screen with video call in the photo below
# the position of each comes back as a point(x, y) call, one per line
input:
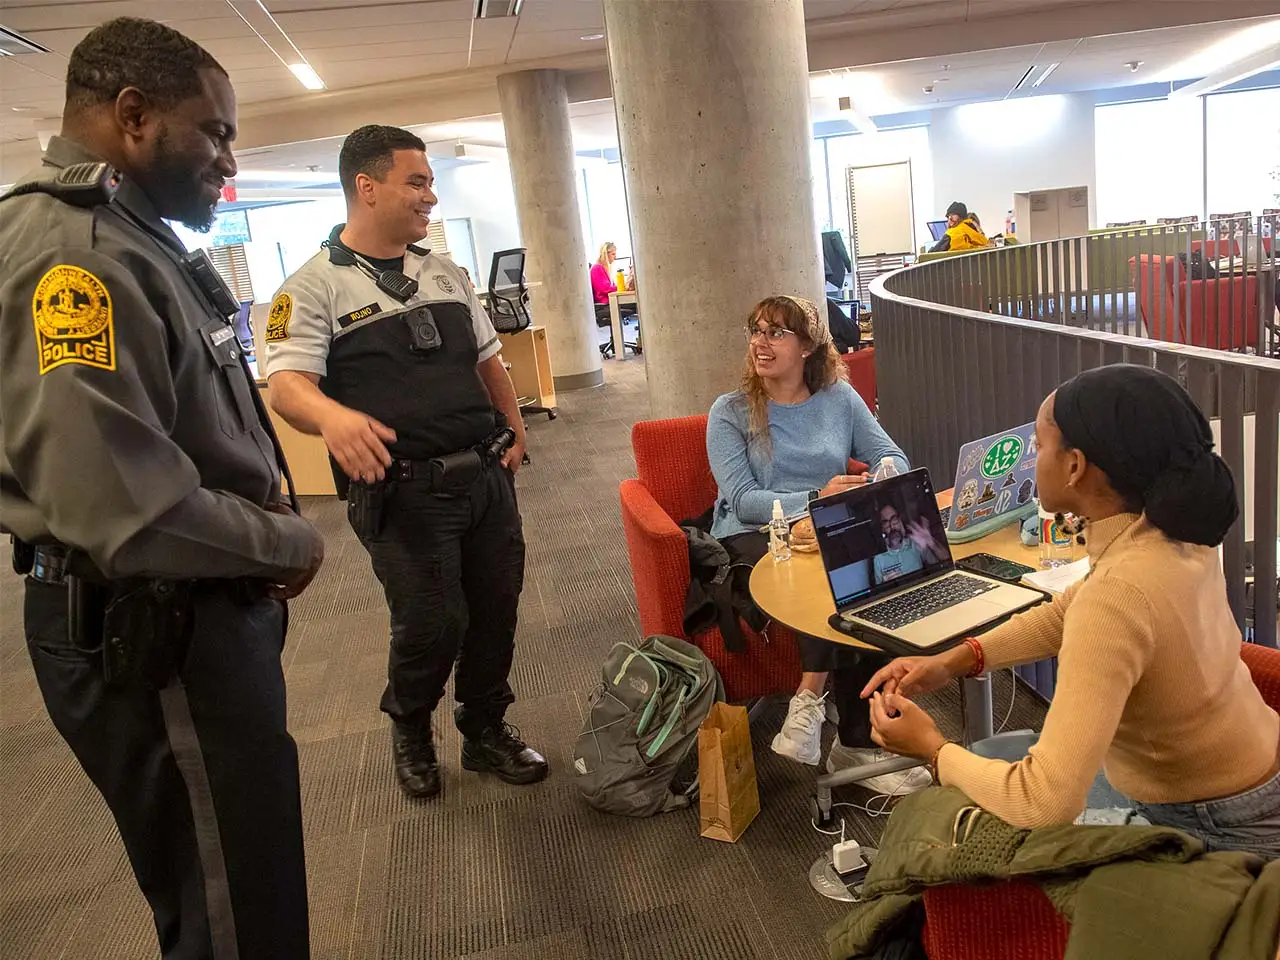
point(865, 536)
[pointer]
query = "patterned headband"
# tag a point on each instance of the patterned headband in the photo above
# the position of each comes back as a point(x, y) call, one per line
point(819, 332)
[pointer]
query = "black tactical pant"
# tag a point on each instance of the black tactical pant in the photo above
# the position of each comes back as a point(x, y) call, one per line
point(851, 668)
point(201, 777)
point(452, 568)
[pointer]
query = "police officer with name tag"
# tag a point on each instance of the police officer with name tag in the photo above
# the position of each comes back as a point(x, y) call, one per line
point(140, 482)
point(383, 349)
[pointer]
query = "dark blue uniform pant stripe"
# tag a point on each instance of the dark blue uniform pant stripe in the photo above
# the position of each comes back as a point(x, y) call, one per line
point(185, 744)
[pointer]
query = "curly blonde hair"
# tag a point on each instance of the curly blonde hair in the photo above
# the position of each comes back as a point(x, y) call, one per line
point(822, 368)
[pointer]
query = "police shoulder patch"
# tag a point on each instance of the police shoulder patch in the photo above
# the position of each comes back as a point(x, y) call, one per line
point(73, 320)
point(279, 317)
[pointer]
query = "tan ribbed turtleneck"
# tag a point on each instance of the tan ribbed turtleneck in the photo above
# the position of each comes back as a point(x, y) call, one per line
point(1150, 685)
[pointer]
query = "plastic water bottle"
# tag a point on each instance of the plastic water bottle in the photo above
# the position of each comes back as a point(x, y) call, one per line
point(1056, 545)
point(779, 534)
point(886, 470)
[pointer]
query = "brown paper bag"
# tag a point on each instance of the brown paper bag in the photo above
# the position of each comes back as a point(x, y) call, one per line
point(726, 774)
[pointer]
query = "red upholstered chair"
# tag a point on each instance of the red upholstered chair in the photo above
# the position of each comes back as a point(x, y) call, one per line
point(1224, 310)
point(1015, 920)
point(861, 365)
point(675, 483)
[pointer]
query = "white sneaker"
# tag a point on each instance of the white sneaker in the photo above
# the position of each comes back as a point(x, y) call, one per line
point(801, 736)
point(897, 784)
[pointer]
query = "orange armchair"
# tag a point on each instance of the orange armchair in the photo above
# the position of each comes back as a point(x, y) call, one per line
point(675, 483)
point(1015, 920)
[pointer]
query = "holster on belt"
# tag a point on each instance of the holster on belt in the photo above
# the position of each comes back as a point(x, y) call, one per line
point(140, 627)
point(146, 626)
point(367, 507)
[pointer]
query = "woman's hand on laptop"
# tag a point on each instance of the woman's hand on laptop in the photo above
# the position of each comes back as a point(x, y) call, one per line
point(843, 482)
point(910, 676)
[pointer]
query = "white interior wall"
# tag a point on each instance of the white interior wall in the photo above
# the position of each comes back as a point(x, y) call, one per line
point(483, 192)
point(984, 153)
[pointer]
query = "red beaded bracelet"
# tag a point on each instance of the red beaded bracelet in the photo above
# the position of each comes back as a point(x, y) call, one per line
point(979, 658)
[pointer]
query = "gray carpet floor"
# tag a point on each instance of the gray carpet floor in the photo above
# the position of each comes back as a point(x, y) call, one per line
point(487, 872)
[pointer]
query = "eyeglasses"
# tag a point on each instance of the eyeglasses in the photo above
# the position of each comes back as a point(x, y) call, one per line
point(774, 334)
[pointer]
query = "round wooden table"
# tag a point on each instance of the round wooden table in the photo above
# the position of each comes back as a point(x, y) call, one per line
point(796, 593)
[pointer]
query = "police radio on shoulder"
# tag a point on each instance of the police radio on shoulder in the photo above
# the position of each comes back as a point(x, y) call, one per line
point(80, 184)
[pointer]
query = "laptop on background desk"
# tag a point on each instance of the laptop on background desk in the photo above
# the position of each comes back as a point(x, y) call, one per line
point(938, 228)
point(891, 573)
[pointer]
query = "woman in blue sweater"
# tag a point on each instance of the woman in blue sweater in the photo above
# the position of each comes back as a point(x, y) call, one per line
point(787, 434)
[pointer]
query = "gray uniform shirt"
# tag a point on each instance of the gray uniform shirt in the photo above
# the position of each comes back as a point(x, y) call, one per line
point(128, 427)
point(324, 300)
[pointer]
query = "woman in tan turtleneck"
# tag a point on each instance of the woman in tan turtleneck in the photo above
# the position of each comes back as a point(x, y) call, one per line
point(1150, 686)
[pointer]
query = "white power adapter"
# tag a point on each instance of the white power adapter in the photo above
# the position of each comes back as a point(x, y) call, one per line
point(846, 856)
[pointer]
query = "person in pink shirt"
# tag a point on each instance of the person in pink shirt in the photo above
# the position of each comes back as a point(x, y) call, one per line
point(601, 274)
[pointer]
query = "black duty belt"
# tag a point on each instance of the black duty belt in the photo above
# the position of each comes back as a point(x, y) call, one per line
point(55, 563)
point(489, 452)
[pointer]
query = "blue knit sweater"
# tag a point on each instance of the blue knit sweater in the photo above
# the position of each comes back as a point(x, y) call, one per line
point(812, 442)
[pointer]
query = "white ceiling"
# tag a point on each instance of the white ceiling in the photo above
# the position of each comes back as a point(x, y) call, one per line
point(369, 44)
point(1089, 63)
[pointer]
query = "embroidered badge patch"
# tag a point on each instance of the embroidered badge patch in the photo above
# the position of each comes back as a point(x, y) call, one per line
point(279, 317)
point(72, 312)
point(445, 284)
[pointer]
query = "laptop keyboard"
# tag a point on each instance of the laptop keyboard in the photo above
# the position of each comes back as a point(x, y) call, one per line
point(919, 603)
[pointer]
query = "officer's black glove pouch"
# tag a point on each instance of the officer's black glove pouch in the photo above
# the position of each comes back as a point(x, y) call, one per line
point(455, 473)
point(145, 631)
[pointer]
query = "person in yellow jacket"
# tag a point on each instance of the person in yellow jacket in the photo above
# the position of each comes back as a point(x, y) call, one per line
point(963, 231)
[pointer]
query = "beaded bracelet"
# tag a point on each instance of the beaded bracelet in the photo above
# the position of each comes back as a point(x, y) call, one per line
point(979, 658)
point(933, 762)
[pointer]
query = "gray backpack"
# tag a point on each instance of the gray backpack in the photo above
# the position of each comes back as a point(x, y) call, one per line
point(642, 725)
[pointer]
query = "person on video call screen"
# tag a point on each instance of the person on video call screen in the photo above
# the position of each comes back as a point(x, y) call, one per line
point(909, 546)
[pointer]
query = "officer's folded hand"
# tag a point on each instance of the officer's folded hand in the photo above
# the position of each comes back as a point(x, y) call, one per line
point(359, 443)
point(296, 581)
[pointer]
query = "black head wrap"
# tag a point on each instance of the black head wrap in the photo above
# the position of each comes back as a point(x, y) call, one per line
point(1143, 431)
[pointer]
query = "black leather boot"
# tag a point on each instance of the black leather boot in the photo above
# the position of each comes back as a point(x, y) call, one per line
point(500, 751)
point(415, 761)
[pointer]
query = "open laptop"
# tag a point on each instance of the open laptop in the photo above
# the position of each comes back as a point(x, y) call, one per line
point(995, 483)
point(890, 568)
point(938, 228)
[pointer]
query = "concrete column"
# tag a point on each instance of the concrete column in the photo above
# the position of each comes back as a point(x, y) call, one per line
point(712, 100)
point(535, 115)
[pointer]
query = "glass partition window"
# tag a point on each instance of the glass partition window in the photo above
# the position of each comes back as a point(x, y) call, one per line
point(1243, 134)
point(1149, 160)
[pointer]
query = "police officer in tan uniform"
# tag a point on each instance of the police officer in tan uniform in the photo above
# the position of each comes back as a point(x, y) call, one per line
point(141, 483)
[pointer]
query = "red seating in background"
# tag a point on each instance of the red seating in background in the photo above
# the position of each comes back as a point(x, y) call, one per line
point(1223, 311)
point(1016, 921)
point(861, 365)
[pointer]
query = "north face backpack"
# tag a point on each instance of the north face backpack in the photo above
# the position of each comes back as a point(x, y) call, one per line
point(642, 725)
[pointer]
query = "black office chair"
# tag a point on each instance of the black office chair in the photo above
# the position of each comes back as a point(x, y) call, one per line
point(508, 308)
point(508, 295)
point(625, 312)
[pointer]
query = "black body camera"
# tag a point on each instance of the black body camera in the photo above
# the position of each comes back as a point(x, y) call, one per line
point(423, 331)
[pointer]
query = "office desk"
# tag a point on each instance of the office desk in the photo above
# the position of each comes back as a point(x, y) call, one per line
point(615, 318)
point(796, 595)
point(307, 456)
